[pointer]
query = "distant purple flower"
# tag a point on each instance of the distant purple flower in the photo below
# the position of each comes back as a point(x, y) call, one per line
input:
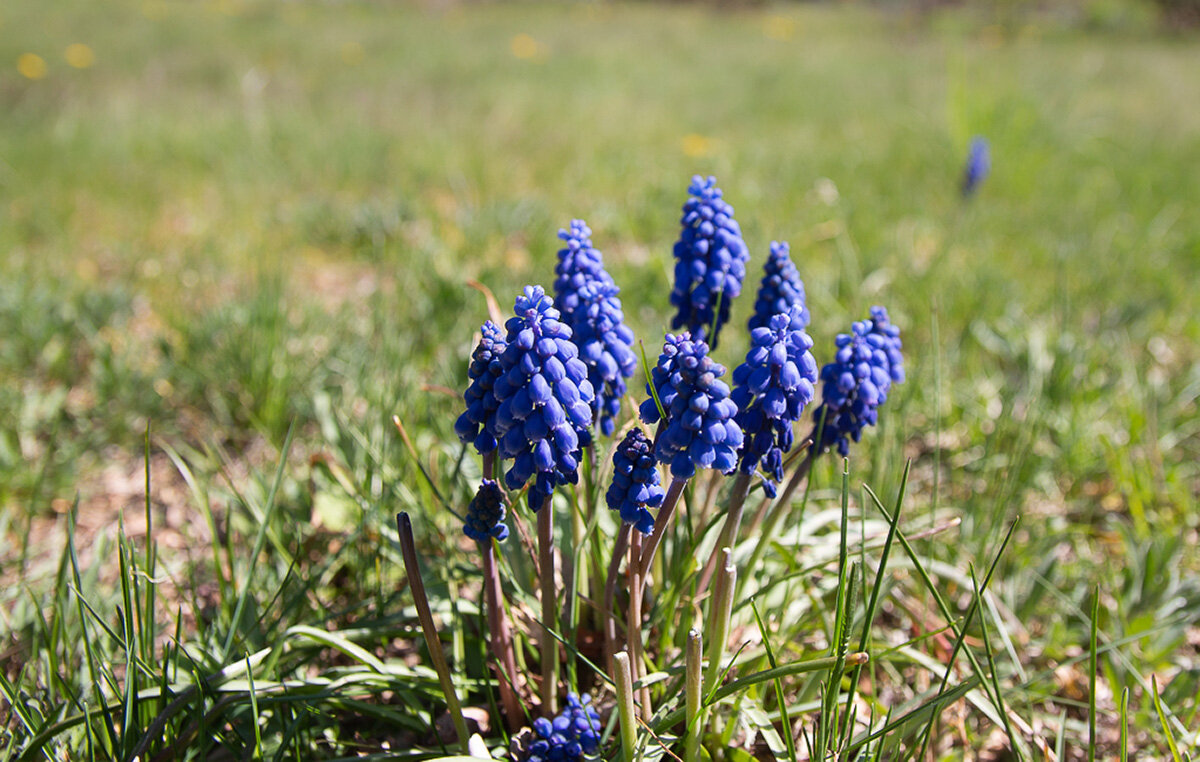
point(979, 164)
point(710, 261)
point(477, 423)
point(635, 485)
point(700, 428)
point(781, 289)
point(857, 382)
point(485, 514)
point(545, 399)
point(568, 737)
point(771, 389)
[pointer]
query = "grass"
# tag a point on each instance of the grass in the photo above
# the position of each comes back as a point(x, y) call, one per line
point(248, 227)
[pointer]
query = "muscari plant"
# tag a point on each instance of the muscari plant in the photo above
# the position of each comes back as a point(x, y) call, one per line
point(544, 402)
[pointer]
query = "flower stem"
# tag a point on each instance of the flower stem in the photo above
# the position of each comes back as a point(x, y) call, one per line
point(610, 595)
point(660, 524)
point(624, 682)
point(549, 645)
point(728, 538)
point(412, 569)
point(501, 638)
point(718, 622)
point(782, 506)
point(633, 625)
point(692, 671)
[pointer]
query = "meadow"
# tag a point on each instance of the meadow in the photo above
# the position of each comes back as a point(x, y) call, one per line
point(238, 237)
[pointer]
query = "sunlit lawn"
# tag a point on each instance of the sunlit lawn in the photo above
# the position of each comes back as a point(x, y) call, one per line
point(220, 220)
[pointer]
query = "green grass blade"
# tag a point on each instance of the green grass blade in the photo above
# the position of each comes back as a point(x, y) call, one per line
point(260, 540)
point(1162, 719)
point(1093, 668)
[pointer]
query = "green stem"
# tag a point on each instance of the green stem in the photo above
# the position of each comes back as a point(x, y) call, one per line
point(633, 627)
point(692, 670)
point(412, 569)
point(728, 538)
point(549, 646)
point(782, 506)
point(624, 684)
point(718, 623)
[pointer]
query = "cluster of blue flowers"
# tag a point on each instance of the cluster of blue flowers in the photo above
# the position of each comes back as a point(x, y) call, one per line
point(561, 366)
point(857, 382)
point(710, 261)
point(566, 738)
point(485, 514)
point(635, 486)
point(781, 289)
point(587, 297)
point(772, 388)
point(544, 398)
point(700, 428)
point(477, 423)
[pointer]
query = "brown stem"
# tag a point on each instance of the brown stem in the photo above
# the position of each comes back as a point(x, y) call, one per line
point(610, 595)
point(660, 524)
point(416, 585)
point(505, 662)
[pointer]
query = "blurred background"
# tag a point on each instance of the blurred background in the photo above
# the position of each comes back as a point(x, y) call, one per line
point(220, 217)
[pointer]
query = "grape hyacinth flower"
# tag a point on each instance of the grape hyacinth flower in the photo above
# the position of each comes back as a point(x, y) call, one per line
point(545, 399)
point(604, 343)
point(568, 737)
point(485, 514)
point(882, 326)
point(781, 289)
point(771, 389)
point(635, 485)
point(578, 265)
point(979, 164)
point(857, 382)
point(477, 424)
point(700, 428)
point(710, 261)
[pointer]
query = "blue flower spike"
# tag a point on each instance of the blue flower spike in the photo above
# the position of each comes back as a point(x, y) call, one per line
point(477, 424)
point(882, 326)
point(857, 382)
point(578, 266)
point(544, 414)
point(568, 737)
point(635, 486)
point(710, 262)
point(772, 388)
point(700, 429)
point(605, 347)
point(781, 289)
point(485, 514)
point(979, 164)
